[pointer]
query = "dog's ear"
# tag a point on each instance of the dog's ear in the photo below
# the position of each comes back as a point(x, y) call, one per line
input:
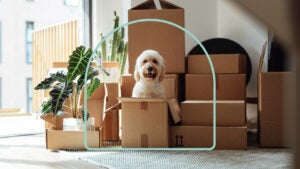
point(162, 73)
point(136, 74)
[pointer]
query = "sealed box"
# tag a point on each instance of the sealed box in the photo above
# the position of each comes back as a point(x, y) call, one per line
point(274, 105)
point(144, 123)
point(58, 139)
point(228, 138)
point(200, 113)
point(229, 86)
point(172, 83)
point(223, 63)
point(168, 40)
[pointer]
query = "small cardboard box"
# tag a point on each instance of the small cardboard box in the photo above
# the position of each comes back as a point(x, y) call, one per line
point(58, 139)
point(229, 138)
point(172, 84)
point(229, 87)
point(200, 113)
point(167, 40)
point(144, 123)
point(223, 63)
point(274, 104)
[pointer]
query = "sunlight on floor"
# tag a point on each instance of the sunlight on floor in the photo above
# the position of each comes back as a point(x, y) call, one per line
point(21, 125)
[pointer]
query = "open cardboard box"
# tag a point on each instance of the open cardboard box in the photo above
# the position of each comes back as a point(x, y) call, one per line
point(57, 139)
point(169, 41)
point(173, 85)
point(145, 123)
point(274, 104)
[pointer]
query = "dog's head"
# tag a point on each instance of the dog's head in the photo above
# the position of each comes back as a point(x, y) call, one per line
point(149, 66)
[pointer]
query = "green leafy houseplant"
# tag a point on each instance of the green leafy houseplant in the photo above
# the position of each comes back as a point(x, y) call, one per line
point(117, 47)
point(70, 85)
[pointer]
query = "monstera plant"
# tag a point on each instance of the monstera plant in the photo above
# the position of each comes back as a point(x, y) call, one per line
point(70, 85)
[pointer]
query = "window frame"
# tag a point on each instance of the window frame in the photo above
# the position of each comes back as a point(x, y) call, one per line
point(29, 93)
point(27, 42)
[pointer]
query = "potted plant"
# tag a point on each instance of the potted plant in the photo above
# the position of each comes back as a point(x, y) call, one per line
point(66, 89)
point(115, 51)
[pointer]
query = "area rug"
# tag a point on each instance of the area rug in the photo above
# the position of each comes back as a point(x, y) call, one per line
point(221, 159)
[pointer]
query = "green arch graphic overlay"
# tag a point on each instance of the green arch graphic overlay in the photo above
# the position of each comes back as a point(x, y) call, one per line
point(147, 149)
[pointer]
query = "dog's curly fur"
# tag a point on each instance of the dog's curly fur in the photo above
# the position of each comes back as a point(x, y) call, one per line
point(149, 72)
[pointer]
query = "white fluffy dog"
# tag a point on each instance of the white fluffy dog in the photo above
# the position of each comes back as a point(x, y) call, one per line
point(149, 72)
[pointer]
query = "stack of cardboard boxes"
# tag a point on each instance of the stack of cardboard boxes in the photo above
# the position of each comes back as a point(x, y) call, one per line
point(145, 122)
point(197, 110)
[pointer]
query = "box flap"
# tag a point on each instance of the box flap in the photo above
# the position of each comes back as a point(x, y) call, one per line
point(131, 99)
point(151, 5)
point(262, 56)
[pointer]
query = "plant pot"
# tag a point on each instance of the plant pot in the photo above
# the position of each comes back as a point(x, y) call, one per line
point(73, 124)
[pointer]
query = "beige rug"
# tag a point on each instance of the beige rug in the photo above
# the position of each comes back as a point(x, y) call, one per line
point(256, 158)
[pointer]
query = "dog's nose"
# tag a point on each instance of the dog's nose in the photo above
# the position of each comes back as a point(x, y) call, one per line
point(150, 69)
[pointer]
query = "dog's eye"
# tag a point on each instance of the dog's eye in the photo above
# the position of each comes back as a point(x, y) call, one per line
point(145, 61)
point(155, 61)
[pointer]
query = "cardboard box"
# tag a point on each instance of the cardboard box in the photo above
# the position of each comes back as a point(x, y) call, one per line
point(274, 104)
point(229, 138)
point(58, 139)
point(127, 85)
point(144, 123)
point(229, 87)
point(223, 63)
point(200, 113)
point(96, 105)
point(167, 40)
point(110, 125)
point(173, 85)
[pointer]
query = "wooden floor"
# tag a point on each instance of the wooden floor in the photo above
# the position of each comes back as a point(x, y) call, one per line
point(29, 152)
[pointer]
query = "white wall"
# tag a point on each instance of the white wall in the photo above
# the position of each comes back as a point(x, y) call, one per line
point(237, 25)
point(103, 19)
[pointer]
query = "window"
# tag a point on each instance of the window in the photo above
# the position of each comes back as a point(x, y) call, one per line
point(29, 29)
point(71, 2)
point(29, 94)
point(0, 42)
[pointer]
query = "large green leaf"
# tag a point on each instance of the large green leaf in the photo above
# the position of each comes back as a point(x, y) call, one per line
point(46, 107)
point(78, 62)
point(48, 82)
point(59, 94)
point(92, 73)
point(92, 87)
